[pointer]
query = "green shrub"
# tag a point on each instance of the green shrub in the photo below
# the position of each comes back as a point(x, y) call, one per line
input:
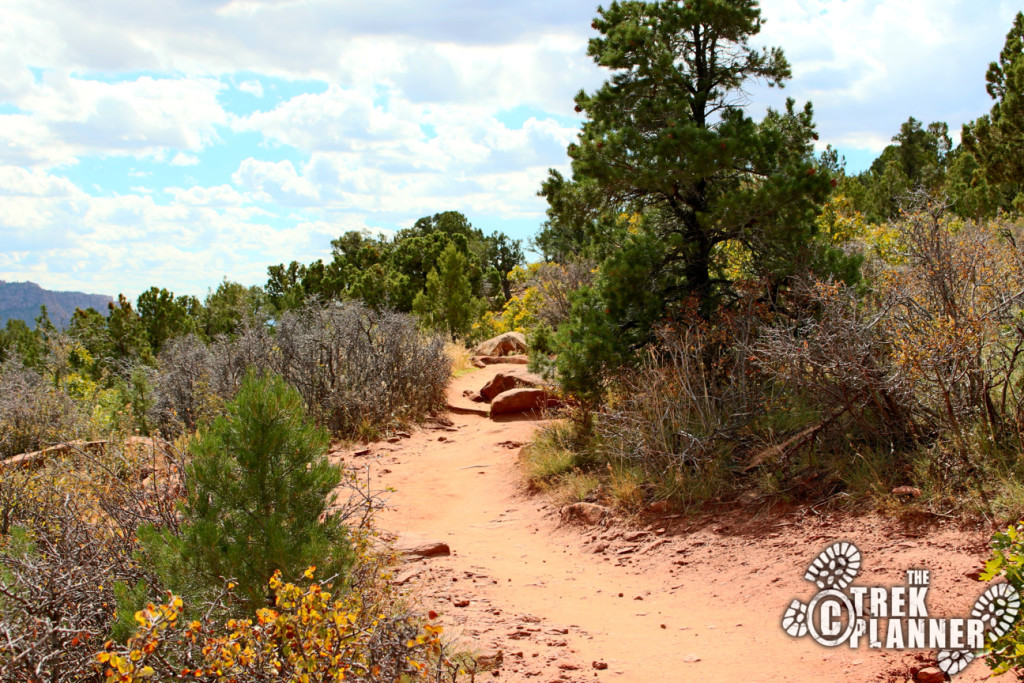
point(1007, 652)
point(259, 492)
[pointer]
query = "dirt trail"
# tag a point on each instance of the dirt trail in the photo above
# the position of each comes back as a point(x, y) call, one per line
point(686, 601)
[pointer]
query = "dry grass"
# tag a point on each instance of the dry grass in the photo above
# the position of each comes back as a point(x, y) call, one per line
point(460, 357)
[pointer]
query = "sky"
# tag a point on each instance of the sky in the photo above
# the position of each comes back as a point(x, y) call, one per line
point(181, 142)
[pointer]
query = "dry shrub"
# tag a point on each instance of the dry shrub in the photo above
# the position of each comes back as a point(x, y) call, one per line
point(932, 352)
point(954, 306)
point(835, 359)
point(927, 363)
point(679, 415)
point(359, 371)
point(68, 539)
point(70, 549)
point(33, 413)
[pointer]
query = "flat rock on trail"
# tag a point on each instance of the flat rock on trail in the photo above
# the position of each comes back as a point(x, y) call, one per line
point(678, 600)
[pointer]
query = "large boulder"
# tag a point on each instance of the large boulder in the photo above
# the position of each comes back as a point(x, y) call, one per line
point(519, 401)
point(503, 345)
point(505, 381)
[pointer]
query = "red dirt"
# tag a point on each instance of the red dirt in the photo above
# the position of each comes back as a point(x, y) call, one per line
point(695, 600)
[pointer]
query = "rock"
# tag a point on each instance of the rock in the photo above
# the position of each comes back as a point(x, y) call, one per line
point(658, 507)
point(600, 666)
point(931, 674)
point(415, 546)
point(911, 491)
point(473, 396)
point(405, 576)
point(691, 659)
point(585, 513)
point(483, 361)
point(519, 401)
point(362, 451)
point(502, 345)
point(460, 602)
point(974, 574)
point(567, 666)
point(489, 660)
point(505, 381)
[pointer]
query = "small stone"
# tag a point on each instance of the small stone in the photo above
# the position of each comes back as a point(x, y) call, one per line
point(600, 666)
point(567, 666)
point(658, 507)
point(691, 659)
point(413, 546)
point(362, 451)
point(489, 660)
point(911, 491)
point(460, 602)
point(930, 674)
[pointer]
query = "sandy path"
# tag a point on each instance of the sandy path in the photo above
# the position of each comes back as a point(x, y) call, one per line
point(667, 602)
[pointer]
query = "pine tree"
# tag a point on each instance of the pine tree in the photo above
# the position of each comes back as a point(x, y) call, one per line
point(670, 175)
point(259, 489)
point(447, 303)
point(996, 141)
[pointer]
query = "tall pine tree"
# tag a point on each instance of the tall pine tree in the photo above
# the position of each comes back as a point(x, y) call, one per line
point(672, 179)
point(995, 142)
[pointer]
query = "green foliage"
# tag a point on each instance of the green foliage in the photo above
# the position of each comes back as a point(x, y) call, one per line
point(258, 487)
point(127, 334)
point(390, 273)
point(18, 341)
point(89, 329)
point(996, 140)
point(165, 316)
point(447, 303)
point(1007, 561)
point(918, 159)
point(129, 600)
point(541, 343)
point(229, 306)
point(670, 176)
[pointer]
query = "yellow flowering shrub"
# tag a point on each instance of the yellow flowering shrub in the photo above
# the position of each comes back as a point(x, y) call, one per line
point(308, 636)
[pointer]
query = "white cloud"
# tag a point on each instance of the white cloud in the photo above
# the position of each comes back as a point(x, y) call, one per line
point(66, 117)
point(254, 88)
point(275, 182)
point(418, 107)
point(183, 159)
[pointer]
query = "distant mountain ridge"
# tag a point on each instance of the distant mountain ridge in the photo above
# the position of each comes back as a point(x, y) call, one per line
point(21, 300)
